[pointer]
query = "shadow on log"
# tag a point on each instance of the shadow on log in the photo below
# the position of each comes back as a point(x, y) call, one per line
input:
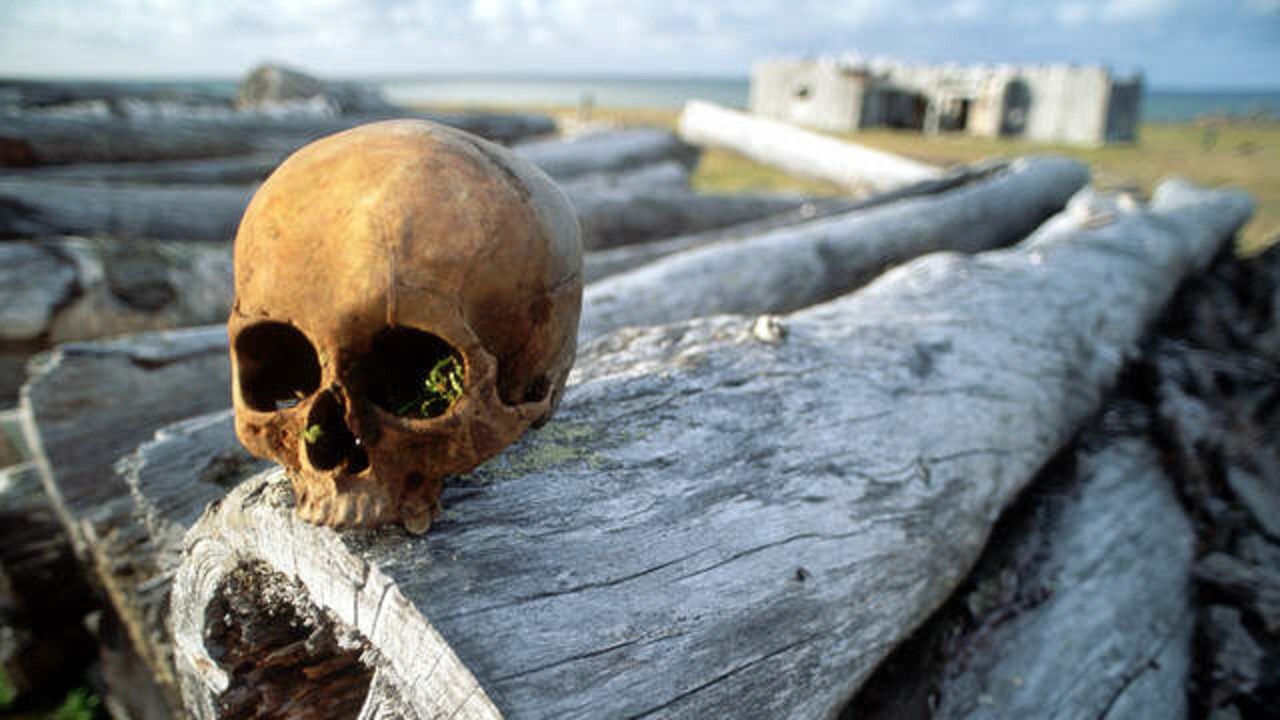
point(805, 491)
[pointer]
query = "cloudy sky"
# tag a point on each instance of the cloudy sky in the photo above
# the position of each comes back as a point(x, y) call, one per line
point(1177, 43)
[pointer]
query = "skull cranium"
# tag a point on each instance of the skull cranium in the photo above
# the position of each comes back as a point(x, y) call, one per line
point(407, 301)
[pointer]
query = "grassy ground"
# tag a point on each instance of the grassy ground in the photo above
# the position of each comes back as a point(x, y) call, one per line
point(1243, 154)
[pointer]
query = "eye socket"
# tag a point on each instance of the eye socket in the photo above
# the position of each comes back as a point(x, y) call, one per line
point(277, 366)
point(413, 374)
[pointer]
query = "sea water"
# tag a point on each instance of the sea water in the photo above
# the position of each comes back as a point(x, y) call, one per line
point(1158, 105)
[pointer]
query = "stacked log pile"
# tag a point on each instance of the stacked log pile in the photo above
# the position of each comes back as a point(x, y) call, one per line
point(768, 490)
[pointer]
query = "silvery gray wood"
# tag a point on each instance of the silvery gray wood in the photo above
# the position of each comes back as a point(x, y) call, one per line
point(84, 406)
point(189, 212)
point(36, 282)
point(232, 170)
point(613, 217)
point(733, 517)
point(1112, 639)
point(659, 175)
point(41, 139)
point(68, 288)
point(88, 403)
point(791, 267)
point(564, 158)
point(798, 151)
point(602, 263)
point(610, 215)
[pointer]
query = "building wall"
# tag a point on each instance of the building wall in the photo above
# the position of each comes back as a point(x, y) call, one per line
point(1068, 104)
point(821, 95)
point(1055, 103)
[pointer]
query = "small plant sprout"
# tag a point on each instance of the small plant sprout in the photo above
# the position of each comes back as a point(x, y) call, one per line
point(312, 434)
point(436, 392)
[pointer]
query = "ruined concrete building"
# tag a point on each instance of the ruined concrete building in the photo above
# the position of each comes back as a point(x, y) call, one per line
point(1079, 105)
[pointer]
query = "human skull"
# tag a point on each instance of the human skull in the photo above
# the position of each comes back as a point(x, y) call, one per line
point(406, 305)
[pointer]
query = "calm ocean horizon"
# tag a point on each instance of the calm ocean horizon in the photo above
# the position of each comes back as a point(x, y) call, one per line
point(1159, 105)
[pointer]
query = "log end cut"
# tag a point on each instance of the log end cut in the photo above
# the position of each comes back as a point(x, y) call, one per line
point(273, 617)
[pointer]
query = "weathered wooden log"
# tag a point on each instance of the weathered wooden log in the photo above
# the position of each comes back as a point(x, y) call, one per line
point(45, 647)
point(19, 96)
point(1080, 607)
point(27, 140)
point(662, 175)
point(626, 216)
point(231, 170)
point(610, 216)
point(84, 406)
point(774, 475)
point(603, 263)
point(793, 267)
point(798, 151)
point(606, 152)
point(208, 213)
point(88, 403)
point(66, 289)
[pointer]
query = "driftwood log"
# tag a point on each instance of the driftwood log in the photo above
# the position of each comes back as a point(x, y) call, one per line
point(618, 217)
point(792, 267)
point(25, 96)
point(606, 152)
point(65, 289)
point(602, 263)
point(640, 158)
point(1081, 606)
point(803, 493)
point(85, 405)
point(207, 213)
point(610, 216)
point(660, 175)
point(28, 140)
point(232, 170)
point(798, 151)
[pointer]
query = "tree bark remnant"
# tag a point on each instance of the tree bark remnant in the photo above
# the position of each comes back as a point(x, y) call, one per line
point(805, 491)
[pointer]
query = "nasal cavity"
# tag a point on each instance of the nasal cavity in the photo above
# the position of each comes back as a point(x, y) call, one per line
point(329, 442)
